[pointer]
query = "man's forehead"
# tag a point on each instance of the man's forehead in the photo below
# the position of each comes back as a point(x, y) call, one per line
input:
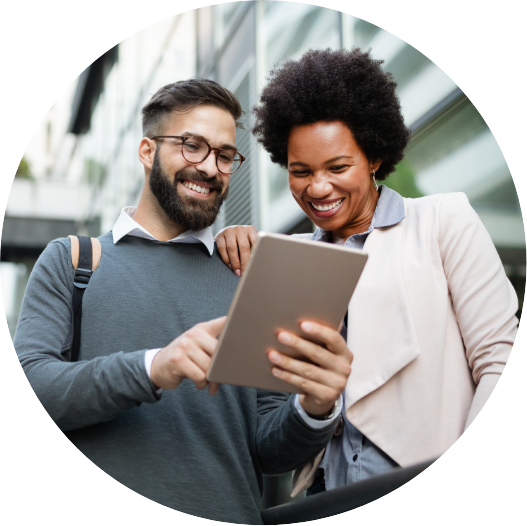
point(208, 122)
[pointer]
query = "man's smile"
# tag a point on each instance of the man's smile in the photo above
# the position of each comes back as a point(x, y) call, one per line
point(197, 188)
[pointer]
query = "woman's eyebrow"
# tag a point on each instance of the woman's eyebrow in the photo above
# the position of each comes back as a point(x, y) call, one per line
point(338, 157)
point(299, 163)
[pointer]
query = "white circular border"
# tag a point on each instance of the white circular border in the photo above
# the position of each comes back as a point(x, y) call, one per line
point(46, 45)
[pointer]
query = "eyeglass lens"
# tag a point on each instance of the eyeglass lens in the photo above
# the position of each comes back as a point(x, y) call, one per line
point(195, 151)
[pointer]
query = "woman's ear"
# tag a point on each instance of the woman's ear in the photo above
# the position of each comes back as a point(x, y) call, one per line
point(375, 165)
point(147, 152)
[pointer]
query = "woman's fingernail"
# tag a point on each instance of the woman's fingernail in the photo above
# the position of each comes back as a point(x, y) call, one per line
point(306, 326)
point(284, 337)
point(275, 357)
point(238, 272)
point(276, 371)
point(230, 266)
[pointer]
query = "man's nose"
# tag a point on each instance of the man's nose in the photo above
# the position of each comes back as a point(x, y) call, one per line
point(208, 166)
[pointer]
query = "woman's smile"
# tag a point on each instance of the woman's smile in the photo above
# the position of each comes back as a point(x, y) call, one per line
point(327, 208)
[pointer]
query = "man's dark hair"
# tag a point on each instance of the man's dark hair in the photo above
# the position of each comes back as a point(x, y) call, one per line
point(183, 96)
point(327, 85)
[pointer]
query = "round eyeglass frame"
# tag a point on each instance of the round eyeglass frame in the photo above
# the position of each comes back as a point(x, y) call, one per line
point(219, 150)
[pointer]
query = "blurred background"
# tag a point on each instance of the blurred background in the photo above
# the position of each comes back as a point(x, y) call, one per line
point(81, 166)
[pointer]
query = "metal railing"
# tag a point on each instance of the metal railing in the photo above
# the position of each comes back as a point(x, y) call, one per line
point(343, 499)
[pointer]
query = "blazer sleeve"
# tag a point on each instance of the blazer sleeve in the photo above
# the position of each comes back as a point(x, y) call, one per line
point(484, 300)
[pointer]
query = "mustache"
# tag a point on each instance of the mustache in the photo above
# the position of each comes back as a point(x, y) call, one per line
point(194, 175)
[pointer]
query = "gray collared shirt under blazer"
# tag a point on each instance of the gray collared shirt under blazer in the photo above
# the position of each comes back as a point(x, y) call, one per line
point(351, 456)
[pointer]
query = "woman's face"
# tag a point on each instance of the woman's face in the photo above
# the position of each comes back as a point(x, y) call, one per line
point(330, 177)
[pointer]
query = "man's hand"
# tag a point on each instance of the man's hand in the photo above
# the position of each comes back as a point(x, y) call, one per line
point(322, 381)
point(188, 356)
point(234, 245)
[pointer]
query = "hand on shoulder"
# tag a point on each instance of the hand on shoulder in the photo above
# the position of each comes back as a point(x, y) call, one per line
point(234, 245)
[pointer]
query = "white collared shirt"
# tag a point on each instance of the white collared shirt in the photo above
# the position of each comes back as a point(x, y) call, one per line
point(127, 226)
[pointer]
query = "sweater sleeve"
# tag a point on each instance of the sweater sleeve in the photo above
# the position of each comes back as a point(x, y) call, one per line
point(284, 440)
point(74, 394)
point(483, 298)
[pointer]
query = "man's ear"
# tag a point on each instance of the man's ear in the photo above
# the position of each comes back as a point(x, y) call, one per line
point(147, 152)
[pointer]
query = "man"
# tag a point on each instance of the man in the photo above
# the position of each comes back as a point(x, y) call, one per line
point(141, 412)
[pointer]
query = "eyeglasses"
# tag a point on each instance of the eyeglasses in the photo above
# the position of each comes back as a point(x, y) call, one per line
point(196, 150)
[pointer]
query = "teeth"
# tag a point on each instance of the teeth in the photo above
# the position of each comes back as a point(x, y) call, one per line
point(327, 207)
point(196, 188)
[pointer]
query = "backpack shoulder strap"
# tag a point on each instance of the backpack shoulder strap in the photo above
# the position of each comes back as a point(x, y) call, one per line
point(96, 252)
point(85, 258)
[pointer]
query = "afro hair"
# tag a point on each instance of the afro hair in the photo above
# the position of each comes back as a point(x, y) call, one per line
point(329, 85)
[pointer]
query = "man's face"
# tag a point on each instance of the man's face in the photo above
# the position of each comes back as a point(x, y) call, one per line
point(191, 194)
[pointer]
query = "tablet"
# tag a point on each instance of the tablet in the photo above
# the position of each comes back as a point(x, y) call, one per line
point(287, 280)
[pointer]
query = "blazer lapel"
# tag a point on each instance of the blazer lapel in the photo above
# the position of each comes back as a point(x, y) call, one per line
point(381, 332)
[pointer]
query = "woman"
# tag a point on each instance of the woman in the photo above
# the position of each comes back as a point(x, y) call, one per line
point(432, 321)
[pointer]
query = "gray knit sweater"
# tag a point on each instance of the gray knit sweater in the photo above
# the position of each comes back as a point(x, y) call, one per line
point(185, 449)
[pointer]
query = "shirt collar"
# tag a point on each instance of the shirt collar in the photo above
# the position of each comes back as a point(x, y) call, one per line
point(127, 226)
point(388, 212)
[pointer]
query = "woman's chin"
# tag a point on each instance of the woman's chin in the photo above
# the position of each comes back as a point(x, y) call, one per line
point(326, 223)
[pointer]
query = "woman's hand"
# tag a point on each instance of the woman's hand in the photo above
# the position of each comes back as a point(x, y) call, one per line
point(322, 381)
point(234, 245)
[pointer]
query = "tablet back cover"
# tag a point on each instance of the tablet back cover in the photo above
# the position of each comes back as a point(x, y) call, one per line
point(286, 281)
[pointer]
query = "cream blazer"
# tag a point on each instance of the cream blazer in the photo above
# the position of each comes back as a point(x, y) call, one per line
point(431, 325)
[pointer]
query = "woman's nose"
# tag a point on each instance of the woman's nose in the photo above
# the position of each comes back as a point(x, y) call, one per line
point(320, 186)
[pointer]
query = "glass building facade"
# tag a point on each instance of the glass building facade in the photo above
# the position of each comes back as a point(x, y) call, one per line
point(451, 150)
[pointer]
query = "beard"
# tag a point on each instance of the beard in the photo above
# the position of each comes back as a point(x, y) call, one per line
point(191, 213)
